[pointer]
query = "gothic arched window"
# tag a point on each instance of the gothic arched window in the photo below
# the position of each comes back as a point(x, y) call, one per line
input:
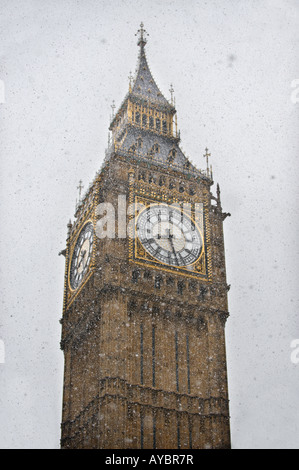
point(171, 155)
point(158, 282)
point(181, 287)
point(135, 276)
point(161, 181)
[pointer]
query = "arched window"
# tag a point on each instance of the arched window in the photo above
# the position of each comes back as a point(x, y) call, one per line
point(203, 293)
point(137, 118)
point(171, 155)
point(135, 276)
point(151, 122)
point(158, 124)
point(181, 287)
point(139, 142)
point(158, 282)
point(164, 127)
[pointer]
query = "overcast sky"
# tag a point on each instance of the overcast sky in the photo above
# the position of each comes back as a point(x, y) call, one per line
point(231, 63)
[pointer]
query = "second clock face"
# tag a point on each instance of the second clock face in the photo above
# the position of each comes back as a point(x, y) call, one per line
point(81, 256)
point(169, 235)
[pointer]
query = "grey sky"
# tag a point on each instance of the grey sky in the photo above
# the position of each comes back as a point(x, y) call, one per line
point(231, 63)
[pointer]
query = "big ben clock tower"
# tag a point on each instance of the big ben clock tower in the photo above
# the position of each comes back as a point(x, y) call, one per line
point(145, 300)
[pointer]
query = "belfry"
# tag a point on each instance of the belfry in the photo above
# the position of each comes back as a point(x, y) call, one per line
point(144, 312)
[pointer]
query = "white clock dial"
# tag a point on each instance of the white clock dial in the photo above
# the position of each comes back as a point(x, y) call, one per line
point(169, 235)
point(81, 256)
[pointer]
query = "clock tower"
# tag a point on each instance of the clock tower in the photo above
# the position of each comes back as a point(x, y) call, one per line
point(145, 297)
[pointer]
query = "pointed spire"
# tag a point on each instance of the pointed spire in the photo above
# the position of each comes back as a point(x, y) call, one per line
point(218, 196)
point(144, 83)
point(171, 93)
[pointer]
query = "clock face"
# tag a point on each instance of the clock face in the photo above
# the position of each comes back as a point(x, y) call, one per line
point(81, 256)
point(169, 235)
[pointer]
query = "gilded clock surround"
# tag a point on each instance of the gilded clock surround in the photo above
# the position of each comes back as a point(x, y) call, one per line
point(139, 255)
point(74, 244)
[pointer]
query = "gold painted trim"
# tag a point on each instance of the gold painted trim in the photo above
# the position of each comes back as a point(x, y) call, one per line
point(156, 259)
point(74, 292)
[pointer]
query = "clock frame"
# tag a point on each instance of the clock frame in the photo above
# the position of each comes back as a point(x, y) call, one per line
point(201, 268)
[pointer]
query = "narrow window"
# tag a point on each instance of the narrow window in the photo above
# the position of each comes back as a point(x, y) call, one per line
point(176, 360)
point(141, 354)
point(154, 355)
point(180, 287)
point(135, 276)
point(158, 282)
point(158, 124)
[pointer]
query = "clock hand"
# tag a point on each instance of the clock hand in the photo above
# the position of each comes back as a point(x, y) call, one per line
point(82, 257)
point(173, 249)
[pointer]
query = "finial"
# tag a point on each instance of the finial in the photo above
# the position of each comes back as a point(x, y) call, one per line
point(218, 195)
point(171, 93)
point(113, 108)
point(80, 187)
point(130, 77)
point(207, 155)
point(69, 228)
point(142, 39)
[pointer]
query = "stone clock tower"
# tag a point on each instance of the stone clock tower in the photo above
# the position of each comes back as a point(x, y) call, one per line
point(145, 300)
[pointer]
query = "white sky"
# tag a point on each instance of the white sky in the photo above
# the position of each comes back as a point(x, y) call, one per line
point(231, 63)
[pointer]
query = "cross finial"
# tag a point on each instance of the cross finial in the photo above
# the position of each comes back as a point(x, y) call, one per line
point(80, 187)
point(141, 33)
point(130, 77)
point(207, 155)
point(171, 93)
point(113, 107)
